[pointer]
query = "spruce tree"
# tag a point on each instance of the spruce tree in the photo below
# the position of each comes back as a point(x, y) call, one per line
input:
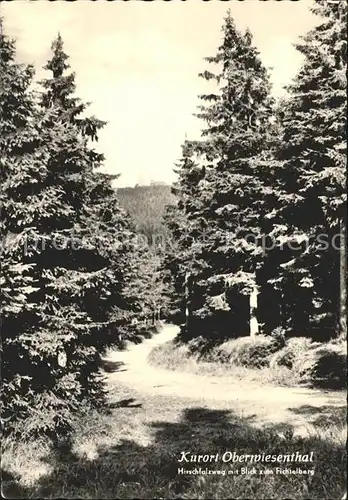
point(65, 244)
point(123, 278)
point(183, 228)
point(36, 326)
point(310, 165)
point(17, 141)
point(225, 253)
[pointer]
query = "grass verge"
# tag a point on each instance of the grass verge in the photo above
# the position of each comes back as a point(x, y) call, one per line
point(133, 453)
point(179, 357)
point(261, 360)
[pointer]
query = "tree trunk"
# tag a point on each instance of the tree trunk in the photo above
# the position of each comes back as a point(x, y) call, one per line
point(343, 280)
point(187, 300)
point(254, 326)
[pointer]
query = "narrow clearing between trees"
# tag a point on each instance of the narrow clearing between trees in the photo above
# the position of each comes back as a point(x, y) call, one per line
point(283, 407)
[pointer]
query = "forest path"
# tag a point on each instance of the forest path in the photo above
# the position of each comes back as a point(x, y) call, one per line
point(300, 408)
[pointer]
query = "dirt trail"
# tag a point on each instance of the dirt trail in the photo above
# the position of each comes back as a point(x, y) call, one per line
point(266, 404)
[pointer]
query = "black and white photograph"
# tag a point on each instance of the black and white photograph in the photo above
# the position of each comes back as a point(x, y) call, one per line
point(173, 249)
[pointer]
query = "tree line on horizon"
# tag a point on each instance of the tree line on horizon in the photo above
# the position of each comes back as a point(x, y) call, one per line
point(260, 219)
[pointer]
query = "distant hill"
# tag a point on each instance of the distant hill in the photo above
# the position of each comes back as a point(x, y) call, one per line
point(146, 205)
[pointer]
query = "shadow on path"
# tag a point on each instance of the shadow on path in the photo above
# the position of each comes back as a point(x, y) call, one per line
point(125, 403)
point(129, 470)
point(322, 416)
point(113, 366)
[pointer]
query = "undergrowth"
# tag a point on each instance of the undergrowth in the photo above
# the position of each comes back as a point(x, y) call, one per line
point(265, 359)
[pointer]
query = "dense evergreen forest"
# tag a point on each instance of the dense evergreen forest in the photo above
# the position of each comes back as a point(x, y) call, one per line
point(74, 273)
point(260, 220)
point(146, 205)
point(253, 236)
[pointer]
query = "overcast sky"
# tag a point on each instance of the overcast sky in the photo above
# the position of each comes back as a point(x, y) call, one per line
point(137, 62)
